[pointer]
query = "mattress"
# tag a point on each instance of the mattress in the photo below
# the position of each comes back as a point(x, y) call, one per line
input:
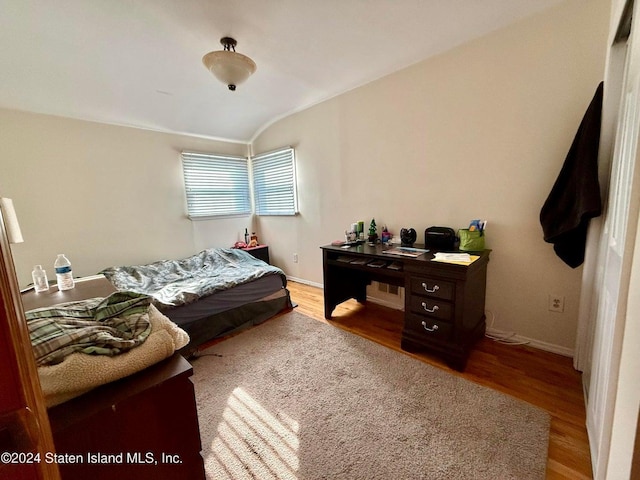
point(228, 311)
point(211, 294)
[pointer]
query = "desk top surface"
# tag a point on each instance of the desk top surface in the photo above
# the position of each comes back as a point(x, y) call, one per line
point(379, 250)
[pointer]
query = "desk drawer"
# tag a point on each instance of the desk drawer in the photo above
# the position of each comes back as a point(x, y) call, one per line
point(428, 328)
point(429, 307)
point(432, 287)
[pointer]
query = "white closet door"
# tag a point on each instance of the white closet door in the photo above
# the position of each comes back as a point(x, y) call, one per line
point(618, 244)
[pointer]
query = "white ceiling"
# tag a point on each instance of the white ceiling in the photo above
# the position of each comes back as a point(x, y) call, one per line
point(138, 62)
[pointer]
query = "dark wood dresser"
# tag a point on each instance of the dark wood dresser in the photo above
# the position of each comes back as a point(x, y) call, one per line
point(144, 426)
point(444, 303)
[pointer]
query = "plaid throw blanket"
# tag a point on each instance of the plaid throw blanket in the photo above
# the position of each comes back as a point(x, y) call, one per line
point(99, 326)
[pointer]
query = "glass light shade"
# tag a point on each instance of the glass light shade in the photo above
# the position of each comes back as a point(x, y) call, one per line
point(231, 68)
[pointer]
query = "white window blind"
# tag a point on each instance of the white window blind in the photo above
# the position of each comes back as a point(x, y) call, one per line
point(274, 182)
point(216, 185)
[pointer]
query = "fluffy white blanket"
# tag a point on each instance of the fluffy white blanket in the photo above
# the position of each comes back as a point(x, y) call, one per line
point(80, 372)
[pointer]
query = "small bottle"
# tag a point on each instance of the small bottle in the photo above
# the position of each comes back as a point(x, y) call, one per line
point(64, 276)
point(246, 236)
point(40, 281)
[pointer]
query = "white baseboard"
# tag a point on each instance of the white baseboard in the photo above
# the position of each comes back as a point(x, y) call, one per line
point(540, 345)
point(305, 282)
point(549, 347)
point(385, 303)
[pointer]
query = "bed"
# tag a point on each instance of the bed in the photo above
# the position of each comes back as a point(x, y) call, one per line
point(212, 294)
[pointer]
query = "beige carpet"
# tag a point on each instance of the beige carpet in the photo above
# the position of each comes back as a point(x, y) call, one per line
point(295, 398)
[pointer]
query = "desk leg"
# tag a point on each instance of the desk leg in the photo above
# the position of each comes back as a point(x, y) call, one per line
point(331, 290)
point(328, 308)
point(333, 298)
point(340, 285)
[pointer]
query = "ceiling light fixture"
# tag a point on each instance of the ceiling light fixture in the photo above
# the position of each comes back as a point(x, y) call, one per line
point(229, 67)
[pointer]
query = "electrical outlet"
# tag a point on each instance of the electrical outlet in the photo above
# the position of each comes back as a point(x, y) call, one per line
point(556, 303)
point(295, 258)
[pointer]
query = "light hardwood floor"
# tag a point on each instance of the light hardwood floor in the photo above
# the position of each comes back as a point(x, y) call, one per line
point(541, 378)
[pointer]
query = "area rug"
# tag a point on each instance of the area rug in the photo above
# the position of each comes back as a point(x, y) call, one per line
point(295, 398)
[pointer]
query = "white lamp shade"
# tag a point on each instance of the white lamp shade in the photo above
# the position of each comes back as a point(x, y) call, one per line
point(11, 221)
point(231, 68)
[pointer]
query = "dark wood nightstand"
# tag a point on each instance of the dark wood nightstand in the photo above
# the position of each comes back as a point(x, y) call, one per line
point(261, 252)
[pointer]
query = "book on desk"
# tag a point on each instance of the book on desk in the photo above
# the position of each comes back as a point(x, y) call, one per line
point(405, 251)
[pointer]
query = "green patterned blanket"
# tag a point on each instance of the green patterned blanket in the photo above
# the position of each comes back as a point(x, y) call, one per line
point(98, 326)
point(177, 282)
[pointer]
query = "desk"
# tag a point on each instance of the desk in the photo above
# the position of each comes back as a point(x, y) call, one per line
point(444, 303)
point(144, 418)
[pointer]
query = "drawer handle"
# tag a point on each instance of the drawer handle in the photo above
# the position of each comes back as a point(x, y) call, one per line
point(424, 307)
point(426, 288)
point(432, 329)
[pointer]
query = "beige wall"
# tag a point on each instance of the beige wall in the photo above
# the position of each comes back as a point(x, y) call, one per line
point(479, 132)
point(103, 195)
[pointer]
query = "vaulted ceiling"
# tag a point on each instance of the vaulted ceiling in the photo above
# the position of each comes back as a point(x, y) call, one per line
point(138, 62)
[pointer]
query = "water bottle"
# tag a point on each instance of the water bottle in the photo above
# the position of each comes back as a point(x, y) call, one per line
point(40, 281)
point(64, 276)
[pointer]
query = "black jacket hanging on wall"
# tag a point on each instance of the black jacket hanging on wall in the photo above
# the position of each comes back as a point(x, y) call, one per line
point(575, 197)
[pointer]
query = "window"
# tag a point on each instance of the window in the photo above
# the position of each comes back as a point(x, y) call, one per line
point(274, 182)
point(216, 185)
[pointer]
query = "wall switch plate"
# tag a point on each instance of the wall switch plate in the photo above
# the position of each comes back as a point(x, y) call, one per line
point(556, 303)
point(295, 258)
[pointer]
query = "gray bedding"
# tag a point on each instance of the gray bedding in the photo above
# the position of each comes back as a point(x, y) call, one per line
point(172, 283)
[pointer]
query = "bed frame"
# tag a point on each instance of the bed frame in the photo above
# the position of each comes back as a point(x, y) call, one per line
point(230, 311)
